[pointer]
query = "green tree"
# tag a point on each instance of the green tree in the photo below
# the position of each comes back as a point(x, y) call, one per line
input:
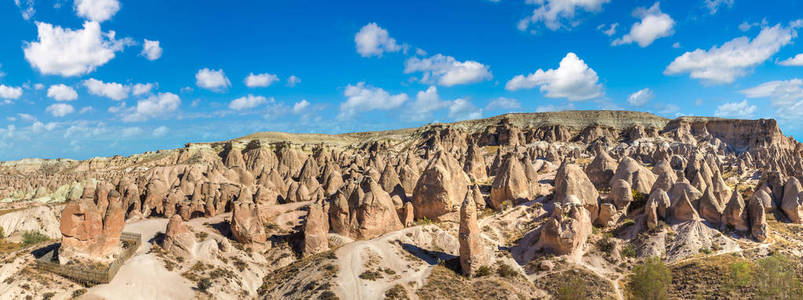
point(650, 280)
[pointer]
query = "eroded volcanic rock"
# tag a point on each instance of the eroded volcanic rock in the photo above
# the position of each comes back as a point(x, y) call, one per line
point(91, 226)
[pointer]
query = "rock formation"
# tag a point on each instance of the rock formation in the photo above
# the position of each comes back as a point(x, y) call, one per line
point(91, 226)
point(472, 254)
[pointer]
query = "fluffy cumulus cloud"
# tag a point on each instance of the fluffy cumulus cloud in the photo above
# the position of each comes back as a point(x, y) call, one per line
point(503, 103)
point(96, 10)
point(300, 106)
point(723, 64)
point(793, 61)
point(654, 24)
point(293, 80)
point(553, 13)
point(362, 97)
point(142, 88)
point(786, 97)
point(260, 80)
point(111, 90)
point(447, 71)
point(160, 131)
point(714, 5)
point(151, 50)
point(10, 92)
point(735, 109)
point(573, 80)
point(428, 101)
point(60, 109)
point(154, 106)
point(641, 97)
point(247, 102)
point(61, 92)
point(213, 80)
point(373, 40)
point(72, 52)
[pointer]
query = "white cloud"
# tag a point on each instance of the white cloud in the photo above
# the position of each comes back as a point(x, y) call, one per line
point(131, 131)
point(667, 109)
point(86, 109)
point(260, 80)
point(301, 106)
point(10, 92)
point(61, 92)
point(214, 80)
point(654, 24)
point(611, 29)
point(39, 127)
point(293, 80)
point(503, 103)
point(713, 5)
point(425, 103)
point(142, 88)
point(641, 97)
point(735, 109)
point(554, 12)
point(461, 109)
point(786, 97)
point(154, 106)
point(60, 109)
point(151, 50)
point(793, 61)
point(111, 90)
point(360, 98)
point(26, 8)
point(551, 107)
point(247, 102)
point(96, 10)
point(573, 80)
point(373, 40)
point(160, 131)
point(26, 117)
point(38, 86)
point(447, 71)
point(723, 64)
point(69, 52)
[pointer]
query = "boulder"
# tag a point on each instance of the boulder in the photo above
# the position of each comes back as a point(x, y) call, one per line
point(179, 240)
point(601, 169)
point(682, 210)
point(621, 194)
point(638, 176)
point(510, 184)
point(566, 234)
point(735, 213)
point(792, 205)
point(758, 218)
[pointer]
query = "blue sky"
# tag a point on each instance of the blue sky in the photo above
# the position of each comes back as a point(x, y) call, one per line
point(174, 72)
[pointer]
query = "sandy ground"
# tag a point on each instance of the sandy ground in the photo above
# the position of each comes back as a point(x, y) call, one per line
point(144, 276)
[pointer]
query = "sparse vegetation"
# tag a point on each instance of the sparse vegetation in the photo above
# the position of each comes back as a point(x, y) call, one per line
point(397, 292)
point(423, 221)
point(775, 278)
point(482, 271)
point(33, 237)
point(572, 288)
point(204, 284)
point(628, 251)
point(606, 244)
point(506, 271)
point(370, 275)
point(650, 280)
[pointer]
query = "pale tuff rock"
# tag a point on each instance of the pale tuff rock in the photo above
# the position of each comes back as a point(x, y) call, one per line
point(621, 194)
point(710, 208)
point(735, 214)
point(246, 225)
point(607, 215)
point(179, 240)
point(663, 203)
point(571, 180)
point(89, 233)
point(408, 215)
point(638, 176)
point(371, 211)
point(339, 217)
point(651, 213)
point(682, 209)
point(472, 252)
point(757, 217)
point(316, 229)
point(566, 234)
point(391, 183)
point(511, 184)
point(792, 205)
point(601, 169)
point(474, 165)
point(479, 200)
point(440, 189)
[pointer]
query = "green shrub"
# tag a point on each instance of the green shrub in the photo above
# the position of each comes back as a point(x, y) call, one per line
point(506, 271)
point(2, 232)
point(204, 284)
point(77, 293)
point(424, 221)
point(628, 251)
point(775, 278)
point(33, 237)
point(650, 280)
point(483, 271)
point(741, 274)
point(606, 244)
point(572, 288)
